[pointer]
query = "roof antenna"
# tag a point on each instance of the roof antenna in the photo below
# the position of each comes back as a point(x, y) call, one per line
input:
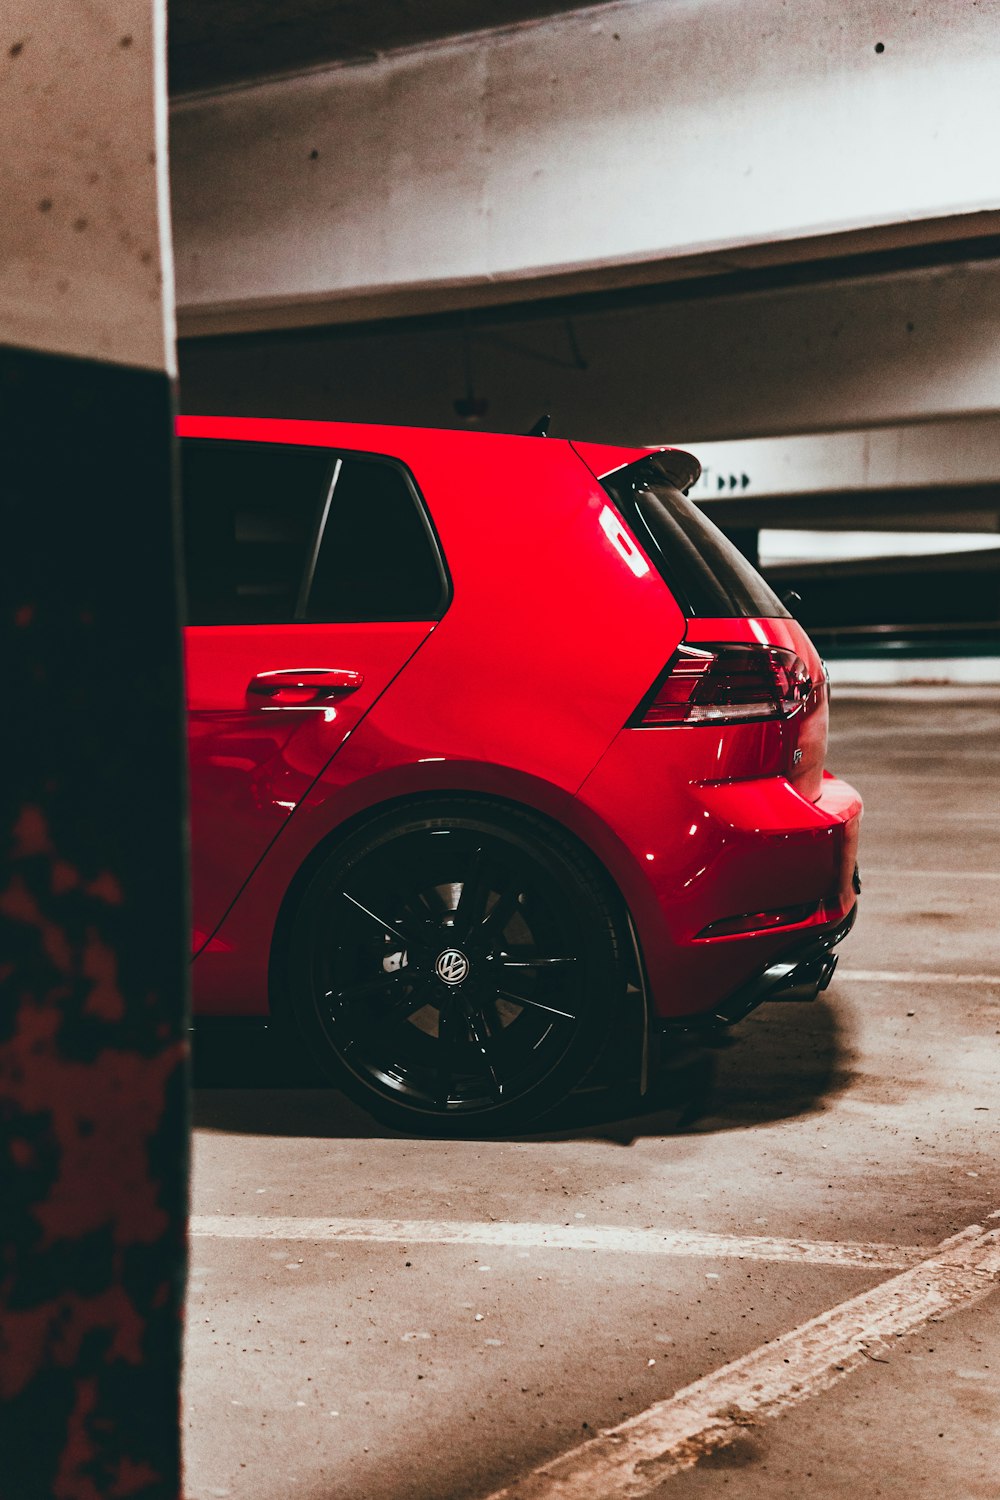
point(541, 427)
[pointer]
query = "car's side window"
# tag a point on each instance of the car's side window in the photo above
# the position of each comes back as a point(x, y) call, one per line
point(377, 559)
point(249, 515)
point(276, 533)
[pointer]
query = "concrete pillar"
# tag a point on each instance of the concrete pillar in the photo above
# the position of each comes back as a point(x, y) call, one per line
point(93, 1079)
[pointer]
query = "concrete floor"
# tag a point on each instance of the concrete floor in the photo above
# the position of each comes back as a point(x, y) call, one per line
point(443, 1371)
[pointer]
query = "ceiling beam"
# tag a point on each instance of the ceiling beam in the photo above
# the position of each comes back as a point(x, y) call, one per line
point(619, 145)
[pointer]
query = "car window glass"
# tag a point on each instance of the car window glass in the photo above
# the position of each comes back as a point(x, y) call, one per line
point(250, 514)
point(377, 559)
point(275, 533)
point(705, 571)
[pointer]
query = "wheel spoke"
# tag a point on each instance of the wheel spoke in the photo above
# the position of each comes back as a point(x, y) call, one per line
point(401, 1010)
point(499, 914)
point(432, 903)
point(533, 1004)
point(383, 1020)
point(471, 902)
point(534, 963)
point(451, 1032)
point(407, 941)
point(365, 988)
point(481, 1037)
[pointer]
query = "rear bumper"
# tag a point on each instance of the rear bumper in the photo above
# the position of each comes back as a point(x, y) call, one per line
point(801, 972)
point(690, 855)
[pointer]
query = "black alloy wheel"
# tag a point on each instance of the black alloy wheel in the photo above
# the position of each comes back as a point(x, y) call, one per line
point(455, 967)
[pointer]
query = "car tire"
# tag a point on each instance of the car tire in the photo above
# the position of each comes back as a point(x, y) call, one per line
point(455, 966)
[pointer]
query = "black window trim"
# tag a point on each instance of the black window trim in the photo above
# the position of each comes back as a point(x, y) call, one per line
point(337, 455)
point(316, 541)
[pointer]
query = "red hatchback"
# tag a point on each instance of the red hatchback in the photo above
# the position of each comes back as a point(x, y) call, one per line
point(500, 752)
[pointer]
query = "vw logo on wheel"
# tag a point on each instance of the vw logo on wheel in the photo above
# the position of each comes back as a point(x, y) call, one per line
point(452, 966)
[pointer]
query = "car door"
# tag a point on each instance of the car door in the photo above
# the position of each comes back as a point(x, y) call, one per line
point(312, 578)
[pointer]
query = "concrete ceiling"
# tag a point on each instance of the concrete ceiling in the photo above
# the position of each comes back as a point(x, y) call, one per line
point(218, 42)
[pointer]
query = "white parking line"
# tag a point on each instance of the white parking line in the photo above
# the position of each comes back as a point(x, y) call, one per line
point(934, 874)
point(922, 778)
point(525, 1236)
point(914, 976)
point(634, 1458)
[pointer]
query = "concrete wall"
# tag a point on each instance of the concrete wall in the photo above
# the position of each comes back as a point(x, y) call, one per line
point(908, 347)
point(635, 142)
point(963, 452)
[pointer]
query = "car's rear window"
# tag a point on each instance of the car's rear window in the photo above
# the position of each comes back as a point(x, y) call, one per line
point(706, 573)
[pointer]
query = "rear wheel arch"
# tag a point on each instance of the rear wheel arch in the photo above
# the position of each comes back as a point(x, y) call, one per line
point(411, 802)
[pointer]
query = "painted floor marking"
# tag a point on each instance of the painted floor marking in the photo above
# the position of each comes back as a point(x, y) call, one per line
point(633, 1459)
point(913, 976)
point(524, 1236)
point(934, 874)
point(921, 778)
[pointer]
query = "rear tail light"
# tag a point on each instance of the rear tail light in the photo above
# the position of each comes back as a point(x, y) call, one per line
point(726, 684)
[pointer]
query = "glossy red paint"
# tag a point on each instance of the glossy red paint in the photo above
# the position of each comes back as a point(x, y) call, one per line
point(253, 755)
point(557, 628)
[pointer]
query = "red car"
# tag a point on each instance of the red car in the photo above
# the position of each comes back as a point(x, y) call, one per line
point(500, 752)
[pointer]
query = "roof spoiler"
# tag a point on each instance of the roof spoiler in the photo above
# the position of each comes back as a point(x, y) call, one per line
point(680, 469)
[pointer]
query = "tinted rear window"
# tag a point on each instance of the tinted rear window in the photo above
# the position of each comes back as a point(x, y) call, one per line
point(705, 572)
point(276, 533)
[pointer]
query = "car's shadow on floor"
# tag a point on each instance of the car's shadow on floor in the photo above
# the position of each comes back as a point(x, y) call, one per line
point(783, 1061)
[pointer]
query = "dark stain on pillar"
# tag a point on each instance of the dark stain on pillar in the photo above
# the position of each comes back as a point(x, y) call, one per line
point(93, 936)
